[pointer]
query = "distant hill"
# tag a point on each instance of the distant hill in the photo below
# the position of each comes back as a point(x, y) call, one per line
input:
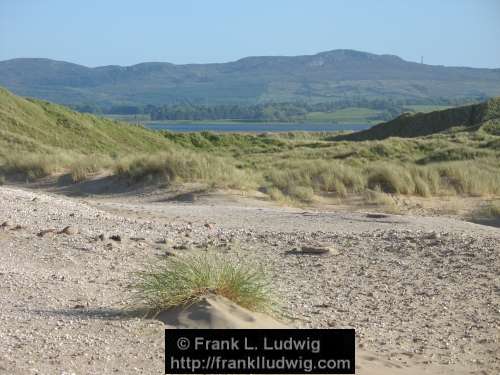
point(472, 117)
point(324, 77)
point(38, 126)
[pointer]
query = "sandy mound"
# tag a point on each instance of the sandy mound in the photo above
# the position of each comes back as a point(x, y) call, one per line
point(372, 364)
point(216, 312)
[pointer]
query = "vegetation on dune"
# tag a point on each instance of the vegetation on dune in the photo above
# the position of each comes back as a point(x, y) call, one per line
point(344, 178)
point(469, 117)
point(38, 139)
point(183, 166)
point(182, 280)
point(380, 199)
point(35, 126)
point(82, 168)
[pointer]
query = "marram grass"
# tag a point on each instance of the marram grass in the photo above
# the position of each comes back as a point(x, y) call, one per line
point(182, 280)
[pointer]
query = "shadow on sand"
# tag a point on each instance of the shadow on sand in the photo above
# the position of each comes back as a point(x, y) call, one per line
point(495, 222)
point(99, 313)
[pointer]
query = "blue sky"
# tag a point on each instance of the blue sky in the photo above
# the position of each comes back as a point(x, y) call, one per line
point(123, 32)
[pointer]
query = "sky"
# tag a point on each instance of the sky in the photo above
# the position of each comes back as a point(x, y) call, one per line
point(126, 32)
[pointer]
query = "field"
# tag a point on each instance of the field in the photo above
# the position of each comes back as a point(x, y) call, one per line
point(426, 108)
point(354, 115)
point(346, 116)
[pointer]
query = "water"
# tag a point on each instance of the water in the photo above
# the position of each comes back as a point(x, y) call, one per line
point(254, 127)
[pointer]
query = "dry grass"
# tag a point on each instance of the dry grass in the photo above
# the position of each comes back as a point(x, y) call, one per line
point(380, 200)
point(184, 166)
point(85, 167)
point(31, 166)
point(473, 178)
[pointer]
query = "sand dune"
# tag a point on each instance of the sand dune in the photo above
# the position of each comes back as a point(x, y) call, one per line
point(216, 312)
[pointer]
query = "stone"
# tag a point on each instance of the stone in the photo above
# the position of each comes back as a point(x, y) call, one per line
point(433, 236)
point(375, 215)
point(319, 250)
point(43, 232)
point(316, 249)
point(115, 237)
point(69, 230)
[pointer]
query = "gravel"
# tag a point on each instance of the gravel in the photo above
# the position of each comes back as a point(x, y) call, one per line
point(431, 296)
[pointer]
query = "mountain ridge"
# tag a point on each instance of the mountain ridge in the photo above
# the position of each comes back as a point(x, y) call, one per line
point(318, 54)
point(325, 76)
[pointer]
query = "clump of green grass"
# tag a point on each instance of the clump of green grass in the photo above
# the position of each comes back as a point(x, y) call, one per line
point(184, 166)
point(302, 179)
point(381, 200)
point(32, 166)
point(182, 280)
point(83, 168)
point(470, 178)
point(301, 193)
point(277, 195)
point(392, 179)
point(452, 154)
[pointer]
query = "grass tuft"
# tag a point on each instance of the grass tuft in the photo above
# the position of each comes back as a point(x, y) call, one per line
point(381, 200)
point(184, 166)
point(182, 280)
point(31, 166)
point(83, 168)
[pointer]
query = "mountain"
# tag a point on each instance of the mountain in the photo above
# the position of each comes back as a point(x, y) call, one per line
point(484, 116)
point(326, 76)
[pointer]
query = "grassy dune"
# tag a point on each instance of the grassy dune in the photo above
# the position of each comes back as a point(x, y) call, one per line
point(38, 139)
point(469, 118)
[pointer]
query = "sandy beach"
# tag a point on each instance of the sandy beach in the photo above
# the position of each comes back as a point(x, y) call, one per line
point(422, 293)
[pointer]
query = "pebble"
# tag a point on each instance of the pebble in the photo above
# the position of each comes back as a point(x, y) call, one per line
point(69, 230)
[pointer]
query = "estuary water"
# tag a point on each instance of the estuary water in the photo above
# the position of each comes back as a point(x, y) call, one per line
point(253, 127)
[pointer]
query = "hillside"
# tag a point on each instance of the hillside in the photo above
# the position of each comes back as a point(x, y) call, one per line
point(28, 125)
point(472, 117)
point(326, 76)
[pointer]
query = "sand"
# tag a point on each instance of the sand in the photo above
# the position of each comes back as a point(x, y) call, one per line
point(420, 291)
point(216, 312)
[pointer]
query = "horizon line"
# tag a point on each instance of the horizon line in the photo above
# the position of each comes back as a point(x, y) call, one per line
point(242, 58)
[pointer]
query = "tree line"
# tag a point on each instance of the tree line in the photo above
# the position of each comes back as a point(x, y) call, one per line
point(295, 111)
